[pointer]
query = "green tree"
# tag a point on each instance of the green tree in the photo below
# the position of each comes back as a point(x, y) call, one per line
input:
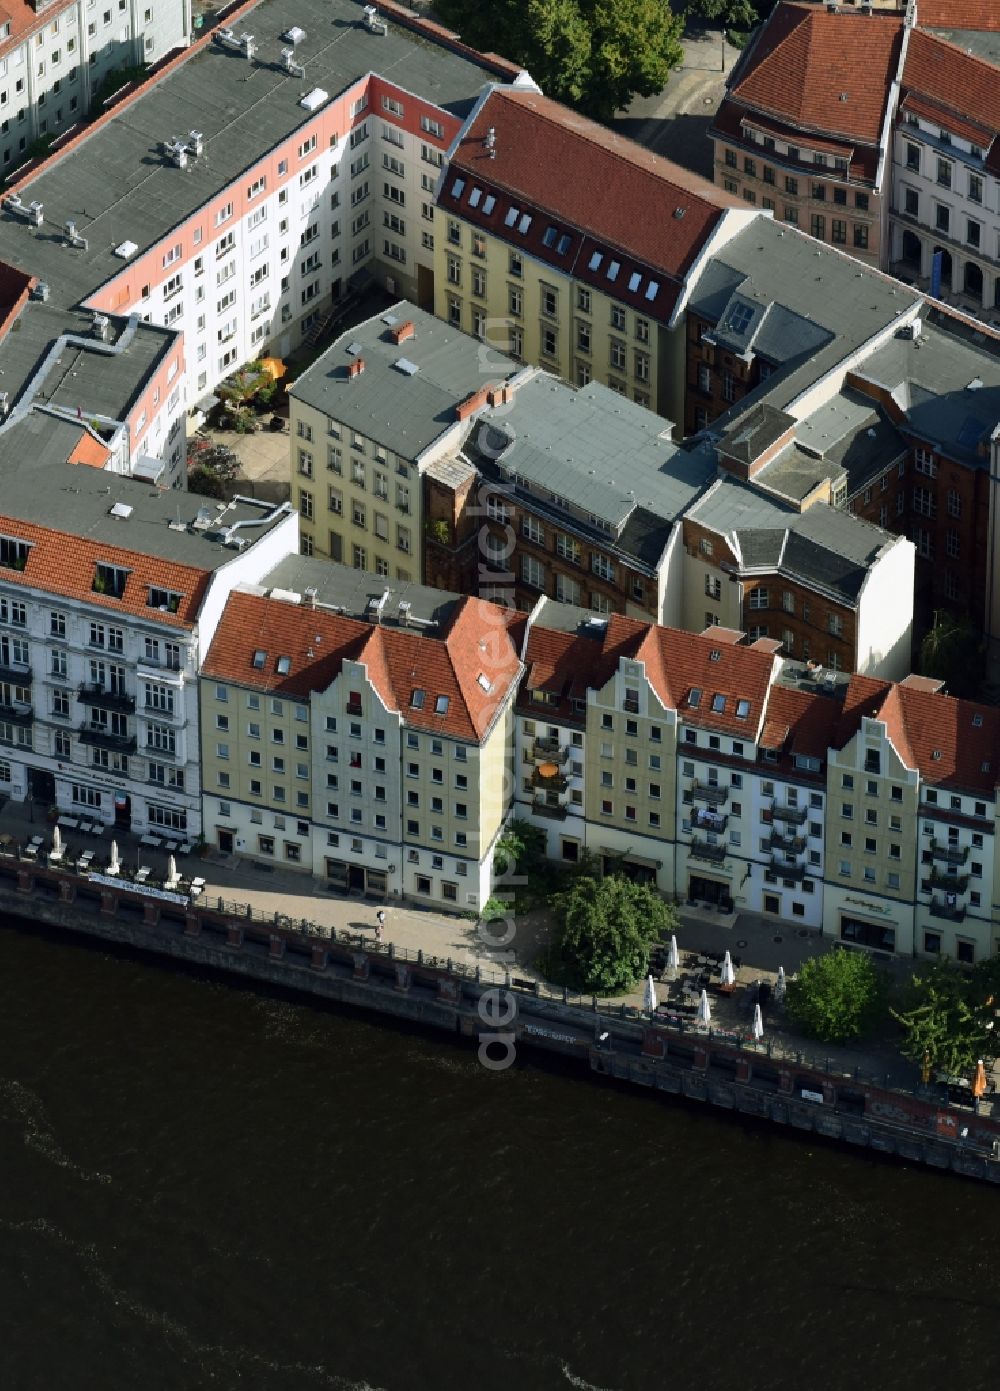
point(837, 997)
point(203, 481)
point(520, 847)
point(594, 55)
point(734, 14)
point(605, 930)
point(952, 652)
point(948, 1017)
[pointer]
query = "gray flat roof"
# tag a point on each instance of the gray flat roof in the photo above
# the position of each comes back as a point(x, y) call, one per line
point(979, 42)
point(40, 487)
point(826, 305)
point(823, 544)
point(848, 435)
point(350, 590)
point(117, 185)
point(402, 409)
point(946, 381)
point(601, 453)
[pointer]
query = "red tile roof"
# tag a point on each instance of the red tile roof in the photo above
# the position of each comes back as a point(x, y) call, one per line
point(962, 126)
point(65, 565)
point(953, 743)
point(862, 700)
point(955, 81)
point(317, 643)
point(958, 14)
point(25, 16)
point(598, 189)
point(678, 663)
point(809, 721)
point(566, 665)
point(824, 72)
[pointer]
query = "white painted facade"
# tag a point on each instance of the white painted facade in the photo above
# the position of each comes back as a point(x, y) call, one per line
point(885, 625)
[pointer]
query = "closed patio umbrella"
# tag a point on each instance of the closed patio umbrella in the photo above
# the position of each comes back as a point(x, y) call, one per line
point(115, 864)
point(674, 958)
point(56, 840)
point(758, 1023)
point(979, 1081)
point(779, 985)
point(728, 974)
point(649, 997)
point(704, 1009)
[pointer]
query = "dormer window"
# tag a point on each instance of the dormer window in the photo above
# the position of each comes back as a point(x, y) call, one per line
point(13, 553)
point(166, 600)
point(110, 580)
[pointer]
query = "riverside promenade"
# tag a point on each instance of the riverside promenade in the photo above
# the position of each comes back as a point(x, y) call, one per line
point(759, 944)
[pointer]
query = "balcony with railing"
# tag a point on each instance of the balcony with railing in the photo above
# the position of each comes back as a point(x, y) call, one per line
point(18, 673)
point(549, 750)
point(16, 712)
point(955, 883)
point(795, 816)
point(551, 807)
point(781, 840)
point(710, 792)
point(703, 819)
point(950, 912)
point(785, 869)
point(951, 854)
point(101, 737)
point(548, 777)
point(90, 693)
point(705, 850)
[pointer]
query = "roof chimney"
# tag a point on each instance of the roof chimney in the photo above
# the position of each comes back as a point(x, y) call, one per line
point(472, 403)
point(355, 368)
point(499, 395)
point(402, 332)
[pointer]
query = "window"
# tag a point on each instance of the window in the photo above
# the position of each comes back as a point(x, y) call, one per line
point(817, 226)
point(944, 172)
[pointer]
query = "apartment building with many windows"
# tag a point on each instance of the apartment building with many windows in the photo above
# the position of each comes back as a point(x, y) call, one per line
point(571, 248)
point(367, 419)
point(56, 54)
point(361, 733)
point(106, 610)
point(262, 205)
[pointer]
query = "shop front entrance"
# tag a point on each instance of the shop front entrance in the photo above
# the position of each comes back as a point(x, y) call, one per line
point(711, 891)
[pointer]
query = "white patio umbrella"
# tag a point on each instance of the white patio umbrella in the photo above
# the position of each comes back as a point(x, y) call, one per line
point(649, 996)
point(172, 875)
point(779, 985)
point(674, 958)
point(704, 1009)
point(758, 1023)
point(728, 974)
point(114, 867)
point(56, 840)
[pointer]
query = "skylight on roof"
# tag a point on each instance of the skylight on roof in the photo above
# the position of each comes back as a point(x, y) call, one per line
point(484, 681)
point(404, 365)
point(634, 281)
point(738, 318)
point(284, 666)
point(524, 224)
point(612, 271)
point(456, 188)
point(512, 215)
point(550, 235)
point(474, 197)
point(651, 290)
point(595, 261)
point(718, 704)
point(417, 699)
point(259, 658)
point(489, 203)
point(742, 709)
point(563, 246)
point(694, 697)
point(441, 705)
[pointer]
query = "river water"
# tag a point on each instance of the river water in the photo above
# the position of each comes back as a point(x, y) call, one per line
point(202, 1186)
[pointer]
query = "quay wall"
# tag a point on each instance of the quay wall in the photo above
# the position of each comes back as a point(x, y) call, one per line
point(610, 1042)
